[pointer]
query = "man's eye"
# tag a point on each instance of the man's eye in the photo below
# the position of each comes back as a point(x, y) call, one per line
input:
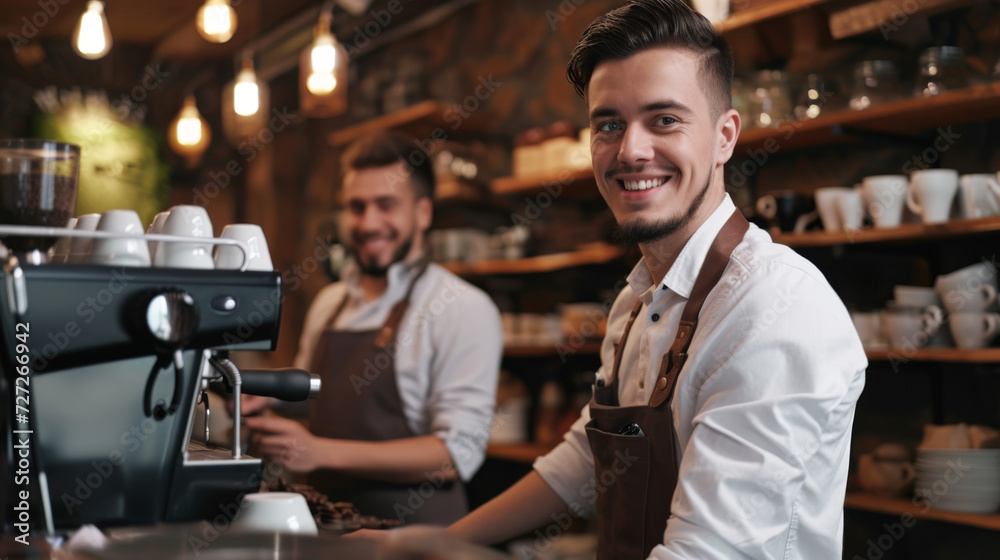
point(609, 126)
point(665, 121)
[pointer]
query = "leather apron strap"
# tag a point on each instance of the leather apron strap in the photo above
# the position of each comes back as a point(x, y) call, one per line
point(634, 448)
point(360, 400)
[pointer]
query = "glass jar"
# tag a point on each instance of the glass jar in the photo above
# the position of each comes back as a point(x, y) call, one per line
point(771, 102)
point(875, 82)
point(816, 95)
point(941, 69)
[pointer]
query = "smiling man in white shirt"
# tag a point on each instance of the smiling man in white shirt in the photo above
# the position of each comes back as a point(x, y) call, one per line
point(408, 353)
point(721, 419)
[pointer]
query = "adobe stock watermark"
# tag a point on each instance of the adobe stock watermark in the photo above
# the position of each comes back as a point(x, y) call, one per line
point(565, 9)
point(900, 15)
point(31, 25)
point(229, 512)
point(130, 442)
point(924, 500)
point(471, 446)
point(757, 158)
point(248, 148)
point(87, 311)
point(588, 492)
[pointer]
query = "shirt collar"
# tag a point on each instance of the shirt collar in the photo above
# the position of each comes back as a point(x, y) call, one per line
point(683, 273)
point(399, 274)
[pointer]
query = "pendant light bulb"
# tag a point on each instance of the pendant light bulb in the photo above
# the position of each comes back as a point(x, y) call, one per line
point(323, 61)
point(246, 93)
point(92, 37)
point(189, 133)
point(323, 67)
point(217, 21)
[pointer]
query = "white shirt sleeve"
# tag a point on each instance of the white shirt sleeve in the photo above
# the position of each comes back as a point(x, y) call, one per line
point(777, 403)
point(468, 344)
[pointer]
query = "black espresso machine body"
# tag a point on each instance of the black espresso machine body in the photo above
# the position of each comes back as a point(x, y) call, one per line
point(117, 360)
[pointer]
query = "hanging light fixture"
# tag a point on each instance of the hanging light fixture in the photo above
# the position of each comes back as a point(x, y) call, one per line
point(92, 36)
point(245, 104)
point(323, 71)
point(217, 21)
point(189, 133)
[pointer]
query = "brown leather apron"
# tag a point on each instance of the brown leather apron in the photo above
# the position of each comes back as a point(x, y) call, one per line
point(359, 400)
point(636, 471)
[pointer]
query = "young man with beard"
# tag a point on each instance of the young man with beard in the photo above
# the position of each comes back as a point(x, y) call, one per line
point(722, 412)
point(408, 354)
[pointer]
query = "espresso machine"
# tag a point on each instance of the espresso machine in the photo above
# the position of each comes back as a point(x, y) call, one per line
point(103, 368)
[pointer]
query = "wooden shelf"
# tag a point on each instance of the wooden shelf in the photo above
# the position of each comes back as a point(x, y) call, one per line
point(595, 254)
point(420, 119)
point(899, 506)
point(575, 179)
point(518, 452)
point(772, 10)
point(588, 347)
point(905, 117)
point(905, 232)
point(950, 355)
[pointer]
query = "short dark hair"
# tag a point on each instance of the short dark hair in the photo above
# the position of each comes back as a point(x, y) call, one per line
point(644, 24)
point(390, 147)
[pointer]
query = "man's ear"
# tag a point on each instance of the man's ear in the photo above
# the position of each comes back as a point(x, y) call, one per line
point(729, 132)
point(425, 213)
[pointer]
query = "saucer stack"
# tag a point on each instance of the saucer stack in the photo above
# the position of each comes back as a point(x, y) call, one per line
point(959, 479)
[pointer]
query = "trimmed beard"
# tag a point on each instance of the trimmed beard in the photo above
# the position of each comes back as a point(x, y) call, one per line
point(638, 231)
point(372, 268)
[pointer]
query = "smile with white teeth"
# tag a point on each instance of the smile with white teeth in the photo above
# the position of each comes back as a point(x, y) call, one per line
point(643, 185)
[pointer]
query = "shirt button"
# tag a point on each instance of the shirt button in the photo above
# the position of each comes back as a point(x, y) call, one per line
point(642, 383)
point(655, 317)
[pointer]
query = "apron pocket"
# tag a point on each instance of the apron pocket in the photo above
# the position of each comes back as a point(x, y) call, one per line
point(621, 477)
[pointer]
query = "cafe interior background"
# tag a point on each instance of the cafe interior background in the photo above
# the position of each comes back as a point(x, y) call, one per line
point(830, 92)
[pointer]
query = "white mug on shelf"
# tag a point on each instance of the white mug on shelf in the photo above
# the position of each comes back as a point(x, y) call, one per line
point(884, 196)
point(973, 329)
point(972, 288)
point(931, 194)
point(979, 194)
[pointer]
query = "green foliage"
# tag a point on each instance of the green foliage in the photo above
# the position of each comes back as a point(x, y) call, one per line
point(120, 163)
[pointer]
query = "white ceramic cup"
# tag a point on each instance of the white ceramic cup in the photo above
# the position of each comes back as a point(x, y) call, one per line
point(275, 512)
point(973, 329)
point(915, 296)
point(852, 209)
point(869, 327)
point(230, 257)
point(156, 227)
point(884, 196)
point(979, 195)
point(931, 194)
point(60, 251)
point(907, 328)
point(79, 247)
point(128, 250)
point(972, 288)
point(828, 205)
point(186, 221)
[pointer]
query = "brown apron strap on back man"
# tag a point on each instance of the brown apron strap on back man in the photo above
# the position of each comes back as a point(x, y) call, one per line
point(388, 332)
point(711, 271)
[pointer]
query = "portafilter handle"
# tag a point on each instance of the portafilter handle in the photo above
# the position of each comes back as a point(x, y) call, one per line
point(288, 384)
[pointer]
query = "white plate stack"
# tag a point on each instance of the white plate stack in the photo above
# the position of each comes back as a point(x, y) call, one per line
point(965, 480)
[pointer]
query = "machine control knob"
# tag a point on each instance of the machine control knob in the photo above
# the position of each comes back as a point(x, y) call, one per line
point(172, 317)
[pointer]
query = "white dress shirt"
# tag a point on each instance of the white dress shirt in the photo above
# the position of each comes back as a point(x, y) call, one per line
point(448, 352)
point(763, 408)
